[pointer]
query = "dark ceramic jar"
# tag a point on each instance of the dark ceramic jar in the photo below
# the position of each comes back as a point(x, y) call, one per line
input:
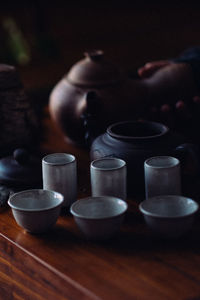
point(18, 117)
point(134, 142)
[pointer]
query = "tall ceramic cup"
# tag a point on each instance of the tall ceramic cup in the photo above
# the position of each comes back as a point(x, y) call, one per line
point(162, 176)
point(108, 177)
point(59, 173)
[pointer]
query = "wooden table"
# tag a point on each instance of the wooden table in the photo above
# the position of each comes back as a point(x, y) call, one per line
point(61, 264)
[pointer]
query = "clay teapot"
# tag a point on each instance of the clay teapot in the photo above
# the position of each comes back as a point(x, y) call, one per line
point(135, 141)
point(91, 97)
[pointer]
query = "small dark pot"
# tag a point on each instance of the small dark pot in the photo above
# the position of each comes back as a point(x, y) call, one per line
point(135, 141)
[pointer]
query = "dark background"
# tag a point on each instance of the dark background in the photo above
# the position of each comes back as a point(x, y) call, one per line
point(55, 34)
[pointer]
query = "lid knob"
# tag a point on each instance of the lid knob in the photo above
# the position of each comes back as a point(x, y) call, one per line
point(94, 55)
point(21, 156)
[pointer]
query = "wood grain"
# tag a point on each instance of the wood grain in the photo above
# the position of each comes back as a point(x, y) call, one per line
point(61, 264)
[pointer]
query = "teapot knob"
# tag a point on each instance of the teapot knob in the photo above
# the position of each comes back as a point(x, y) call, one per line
point(95, 55)
point(21, 156)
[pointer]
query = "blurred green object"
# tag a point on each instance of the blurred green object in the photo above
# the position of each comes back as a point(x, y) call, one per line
point(16, 45)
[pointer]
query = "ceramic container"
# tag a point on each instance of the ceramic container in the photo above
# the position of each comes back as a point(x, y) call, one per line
point(36, 210)
point(99, 218)
point(90, 97)
point(59, 173)
point(108, 177)
point(136, 141)
point(20, 121)
point(21, 170)
point(169, 216)
point(162, 176)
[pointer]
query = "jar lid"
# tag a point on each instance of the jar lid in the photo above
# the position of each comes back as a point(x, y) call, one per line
point(93, 71)
point(20, 169)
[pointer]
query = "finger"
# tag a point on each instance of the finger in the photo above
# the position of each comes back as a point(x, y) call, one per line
point(151, 67)
point(196, 99)
point(165, 108)
point(166, 115)
point(183, 110)
point(180, 106)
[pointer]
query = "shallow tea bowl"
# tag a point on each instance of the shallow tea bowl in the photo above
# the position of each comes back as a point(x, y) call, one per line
point(36, 210)
point(99, 218)
point(169, 216)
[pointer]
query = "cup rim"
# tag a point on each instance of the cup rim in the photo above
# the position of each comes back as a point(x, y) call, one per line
point(157, 215)
point(164, 129)
point(175, 164)
point(123, 164)
point(60, 196)
point(44, 159)
point(101, 198)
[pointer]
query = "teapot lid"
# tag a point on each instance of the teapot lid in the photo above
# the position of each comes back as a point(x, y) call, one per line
point(93, 70)
point(20, 169)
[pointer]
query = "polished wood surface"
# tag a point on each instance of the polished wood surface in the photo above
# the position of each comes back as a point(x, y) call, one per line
point(61, 264)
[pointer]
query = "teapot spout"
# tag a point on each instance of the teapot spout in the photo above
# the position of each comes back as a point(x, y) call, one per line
point(91, 116)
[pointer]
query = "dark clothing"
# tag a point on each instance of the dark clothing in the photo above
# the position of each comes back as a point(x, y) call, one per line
point(192, 57)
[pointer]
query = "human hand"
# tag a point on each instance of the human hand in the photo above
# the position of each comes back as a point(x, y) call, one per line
point(181, 109)
point(151, 67)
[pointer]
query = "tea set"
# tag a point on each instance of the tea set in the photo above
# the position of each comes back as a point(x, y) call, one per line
point(100, 215)
point(87, 106)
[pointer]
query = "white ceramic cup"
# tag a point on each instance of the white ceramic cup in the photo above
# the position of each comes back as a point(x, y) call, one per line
point(162, 176)
point(59, 173)
point(108, 177)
